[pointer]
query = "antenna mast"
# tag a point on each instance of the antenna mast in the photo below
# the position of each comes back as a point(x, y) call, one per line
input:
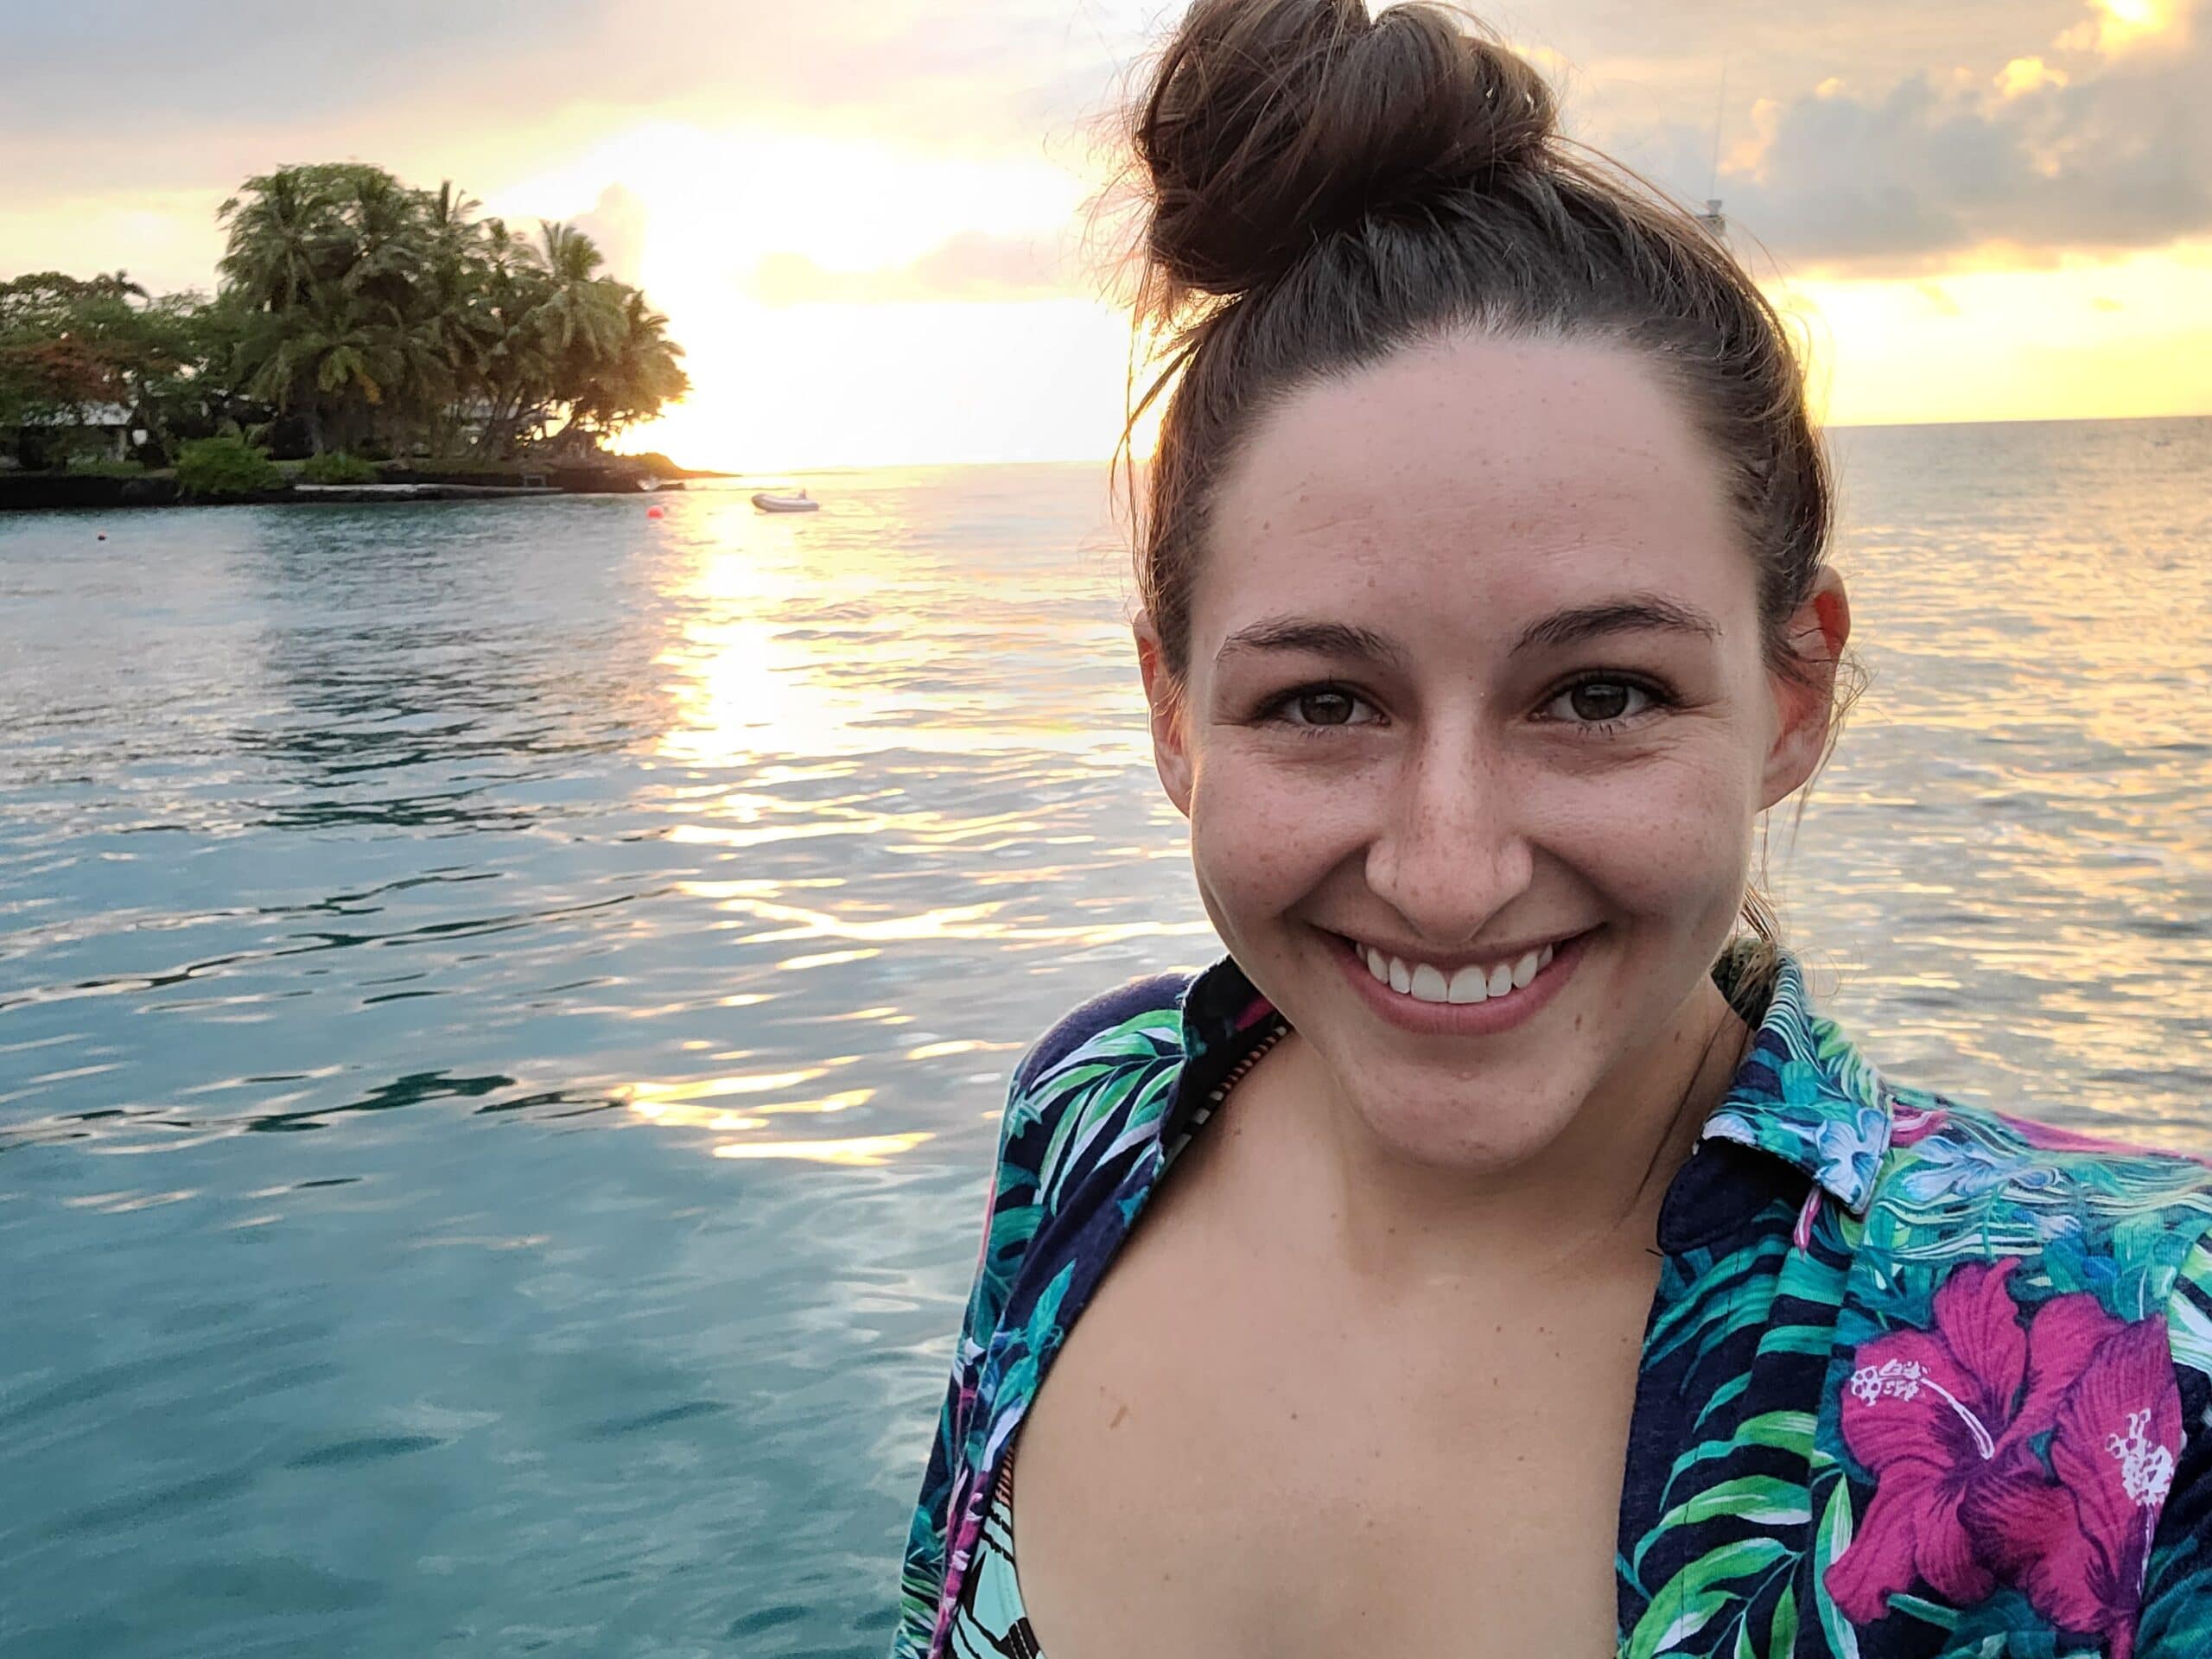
point(1712, 218)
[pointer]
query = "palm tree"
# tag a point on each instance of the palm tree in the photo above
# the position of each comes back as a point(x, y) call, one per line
point(583, 311)
point(388, 239)
point(279, 225)
point(327, 362)
point(510, 358)
point(368, 308)
point(440, 346)
point(634, 381)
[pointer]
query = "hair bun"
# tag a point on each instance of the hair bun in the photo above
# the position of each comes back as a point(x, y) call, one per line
point(1271, 121)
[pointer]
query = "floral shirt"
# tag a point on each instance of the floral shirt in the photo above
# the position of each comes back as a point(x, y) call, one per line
point(1919, 1380)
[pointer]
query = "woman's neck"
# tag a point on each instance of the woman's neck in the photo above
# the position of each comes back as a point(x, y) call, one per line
point(1592, 1194)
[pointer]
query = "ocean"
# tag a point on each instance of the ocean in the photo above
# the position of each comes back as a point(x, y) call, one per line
point(504, 1007)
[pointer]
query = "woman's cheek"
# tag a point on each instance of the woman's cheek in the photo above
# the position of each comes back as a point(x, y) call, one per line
point(1264, 833)
point(1668, 836)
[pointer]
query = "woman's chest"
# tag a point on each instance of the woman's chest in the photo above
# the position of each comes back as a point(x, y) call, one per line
point(1224, 1460)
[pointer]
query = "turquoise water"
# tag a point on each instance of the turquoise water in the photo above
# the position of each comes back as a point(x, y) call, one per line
point(503, 1007)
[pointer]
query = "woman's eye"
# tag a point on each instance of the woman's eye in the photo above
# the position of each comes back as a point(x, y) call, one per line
point(1604, 702)
point(1319, 706)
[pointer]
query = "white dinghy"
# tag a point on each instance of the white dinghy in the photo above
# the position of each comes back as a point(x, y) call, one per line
point(785, 501)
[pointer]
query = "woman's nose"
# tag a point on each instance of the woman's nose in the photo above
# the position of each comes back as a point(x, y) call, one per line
point(1450, 852)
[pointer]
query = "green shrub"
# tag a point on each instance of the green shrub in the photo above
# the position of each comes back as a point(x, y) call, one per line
point(102, 467)
point(337, 467)
point(214, 467)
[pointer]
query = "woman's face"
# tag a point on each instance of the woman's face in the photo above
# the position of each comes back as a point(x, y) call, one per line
point(1476, 674)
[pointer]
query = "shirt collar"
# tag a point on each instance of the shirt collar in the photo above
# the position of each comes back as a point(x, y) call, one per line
point(1803, 1093)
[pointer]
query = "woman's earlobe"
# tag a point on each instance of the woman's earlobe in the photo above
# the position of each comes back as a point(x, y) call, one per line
point(1816, 636)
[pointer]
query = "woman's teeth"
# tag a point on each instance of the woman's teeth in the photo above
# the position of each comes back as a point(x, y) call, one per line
point(1474, 983)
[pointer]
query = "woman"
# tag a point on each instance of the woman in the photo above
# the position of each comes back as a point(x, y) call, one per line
point(1556, 1280)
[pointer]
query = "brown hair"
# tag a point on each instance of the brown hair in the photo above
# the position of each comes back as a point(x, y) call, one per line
point(1322, 190)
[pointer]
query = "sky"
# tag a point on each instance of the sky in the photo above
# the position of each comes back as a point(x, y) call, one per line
point(876, 225)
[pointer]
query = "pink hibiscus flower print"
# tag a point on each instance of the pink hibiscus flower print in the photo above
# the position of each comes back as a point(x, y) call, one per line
point(1942, 1419)
point(2079, 1547)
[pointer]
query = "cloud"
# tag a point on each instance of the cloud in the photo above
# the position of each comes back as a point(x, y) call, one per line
point(2024, 75)
point(2107, 153)
point(617, 225)
point(1873, 135)
point(970, 266)
point(103, 90)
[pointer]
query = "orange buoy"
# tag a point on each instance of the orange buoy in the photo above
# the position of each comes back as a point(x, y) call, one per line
point(655, 512)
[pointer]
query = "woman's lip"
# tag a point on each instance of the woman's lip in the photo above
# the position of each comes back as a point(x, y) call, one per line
point(1461, 1018)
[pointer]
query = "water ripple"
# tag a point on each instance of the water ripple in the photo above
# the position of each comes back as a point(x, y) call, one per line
point(504, 1008)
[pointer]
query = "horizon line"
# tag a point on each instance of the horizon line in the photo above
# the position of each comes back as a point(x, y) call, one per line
point(1102, 460)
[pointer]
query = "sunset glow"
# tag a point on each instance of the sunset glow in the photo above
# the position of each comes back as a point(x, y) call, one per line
point(899, 261)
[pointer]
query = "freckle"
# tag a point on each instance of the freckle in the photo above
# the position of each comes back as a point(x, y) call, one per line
point(1118, 1415)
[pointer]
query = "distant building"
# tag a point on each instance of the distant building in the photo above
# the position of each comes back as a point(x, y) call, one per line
point(89, 428)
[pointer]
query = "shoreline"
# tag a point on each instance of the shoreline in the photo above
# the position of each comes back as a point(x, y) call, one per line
point(47, 492)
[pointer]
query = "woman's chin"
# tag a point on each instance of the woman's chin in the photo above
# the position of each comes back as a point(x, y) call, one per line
point(1476, 1127)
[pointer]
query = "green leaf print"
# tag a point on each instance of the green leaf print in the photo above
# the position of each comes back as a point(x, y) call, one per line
point(1713, 1296)
point(1694, 1596)
point(2187, 1328)
point(1727, 1391)
point(1946, 1617)
point(1782, 1635)
point(1830, 1542)
point(1760, 1499)
point(1786, 1431)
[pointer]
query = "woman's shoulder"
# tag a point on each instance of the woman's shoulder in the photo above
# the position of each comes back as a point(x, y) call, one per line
point(1131, 1021)
point(1088, 1095)
point(2076, 1213)
point(1947, 1154)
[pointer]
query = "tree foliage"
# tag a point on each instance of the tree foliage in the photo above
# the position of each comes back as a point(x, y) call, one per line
point(378, 312)
point(357, 312)
point(73, 350)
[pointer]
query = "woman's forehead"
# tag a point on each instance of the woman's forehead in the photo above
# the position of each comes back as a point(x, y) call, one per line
point(1500, 475)
point(1495, 433)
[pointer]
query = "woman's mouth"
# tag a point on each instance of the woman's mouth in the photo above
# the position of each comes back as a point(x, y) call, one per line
point(1466, 997)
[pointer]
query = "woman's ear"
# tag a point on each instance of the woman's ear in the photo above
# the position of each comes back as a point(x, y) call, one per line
point(1171, 753)
point(1805, 705)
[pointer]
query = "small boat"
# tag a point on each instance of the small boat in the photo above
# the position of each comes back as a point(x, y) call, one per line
point(785, 501)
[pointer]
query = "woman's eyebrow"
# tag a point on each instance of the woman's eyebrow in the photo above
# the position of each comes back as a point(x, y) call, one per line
point(1632, 613)
point(1314, 637)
